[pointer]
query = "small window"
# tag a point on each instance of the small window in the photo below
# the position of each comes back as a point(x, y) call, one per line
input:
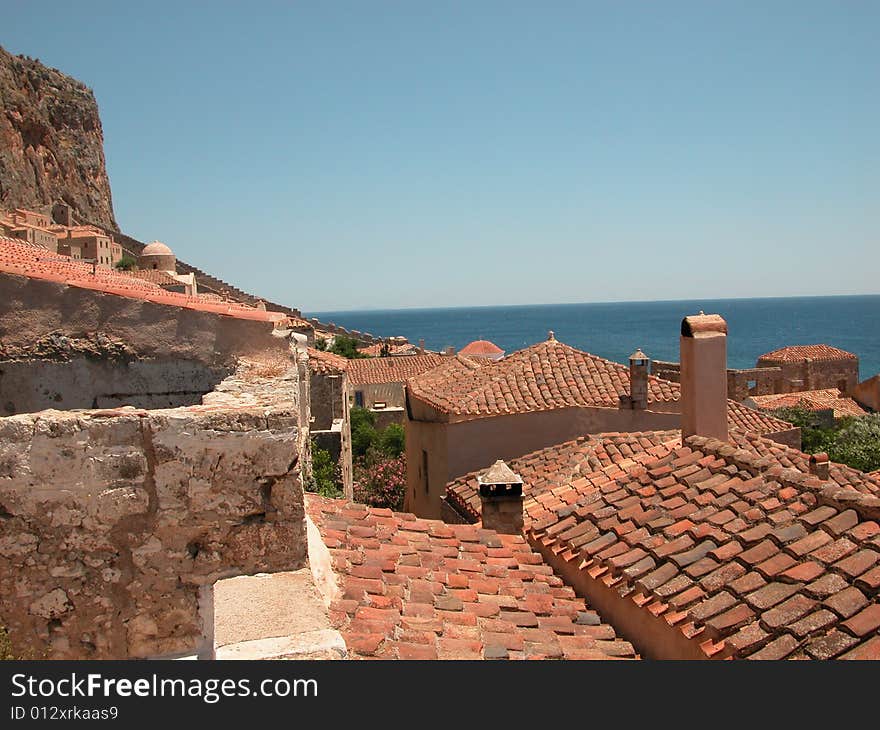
point(425, 471)
point(379, 404)
point(359, 398)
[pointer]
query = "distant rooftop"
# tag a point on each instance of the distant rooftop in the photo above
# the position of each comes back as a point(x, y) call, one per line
point(796, 353)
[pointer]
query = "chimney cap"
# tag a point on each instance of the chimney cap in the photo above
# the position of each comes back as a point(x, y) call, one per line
point(499, 479)
point(638, 355)
point(551, 337)
point(701, 324)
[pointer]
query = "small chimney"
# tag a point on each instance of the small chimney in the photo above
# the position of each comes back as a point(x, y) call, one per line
point(704, 376)
point(637, 399)
point(819, 466)
point(449, 350)
point(502, 499)
point(422, 345)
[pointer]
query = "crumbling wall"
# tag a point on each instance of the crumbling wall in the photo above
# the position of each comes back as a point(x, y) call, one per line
point(35, 385)
point(114, 525)
point(49, 320)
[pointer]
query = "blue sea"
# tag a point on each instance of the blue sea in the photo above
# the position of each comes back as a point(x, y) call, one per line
point(615, 330)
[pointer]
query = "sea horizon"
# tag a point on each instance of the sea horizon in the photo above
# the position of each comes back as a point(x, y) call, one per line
point(615, 329)
point(418, 308)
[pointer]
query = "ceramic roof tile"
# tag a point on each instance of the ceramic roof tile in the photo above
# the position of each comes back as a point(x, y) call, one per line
point(326, 363)
point(767, 561)
point(34, 262)
point(795, 353)
point(481, 348)
point(813, 400)
point(421, 589)
point(547, 376)
point(371, 370)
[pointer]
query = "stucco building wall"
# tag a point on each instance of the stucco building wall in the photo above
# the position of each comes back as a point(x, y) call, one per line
point(453, 449)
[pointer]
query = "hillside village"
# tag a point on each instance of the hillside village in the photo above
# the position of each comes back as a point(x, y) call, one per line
point(188, 470)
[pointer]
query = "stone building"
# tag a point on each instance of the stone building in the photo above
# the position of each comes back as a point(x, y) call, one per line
point(157, 255)
point(94, 244)
point(469, 412)
point(377, 383)
point(813, 367)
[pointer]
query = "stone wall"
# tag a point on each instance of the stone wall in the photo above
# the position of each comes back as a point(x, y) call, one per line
point(741, 383)
point(48, 320)
point(810, 374)
point(115, 525)
point(80, 382)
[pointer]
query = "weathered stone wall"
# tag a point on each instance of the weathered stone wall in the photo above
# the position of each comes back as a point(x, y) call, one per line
point(741, 383)
point(35, 385)
point(49, 320)
point(331, 421)
point(816, 374)
point(115, 525)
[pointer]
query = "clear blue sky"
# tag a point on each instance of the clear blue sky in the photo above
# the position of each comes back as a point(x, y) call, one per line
point(365, 155)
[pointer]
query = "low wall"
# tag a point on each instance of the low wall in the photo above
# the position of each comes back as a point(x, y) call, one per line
point(35, 385)
point(47, 320)
point(115, 525)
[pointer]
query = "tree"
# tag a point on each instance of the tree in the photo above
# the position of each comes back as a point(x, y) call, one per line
point(346, 347)
point(126, 263)
point(325, 474)
point(857, 443)
point(851, 441)
point(392, 440)
point(363, 432)
point(814, 438)
point(320, 344)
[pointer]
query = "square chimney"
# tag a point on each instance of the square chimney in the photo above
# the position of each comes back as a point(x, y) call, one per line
point(501, 495)
point(704, 376)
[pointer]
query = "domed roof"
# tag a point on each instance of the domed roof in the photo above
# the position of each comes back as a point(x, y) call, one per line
point(481, 347)
point(156, 248)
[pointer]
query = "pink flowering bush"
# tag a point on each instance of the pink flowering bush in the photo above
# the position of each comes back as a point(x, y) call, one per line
point(380, 483)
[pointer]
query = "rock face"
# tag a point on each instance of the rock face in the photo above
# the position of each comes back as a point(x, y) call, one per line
point(51, 143)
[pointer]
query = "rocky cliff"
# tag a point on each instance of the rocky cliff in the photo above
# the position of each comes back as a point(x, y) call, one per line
point(51, 142)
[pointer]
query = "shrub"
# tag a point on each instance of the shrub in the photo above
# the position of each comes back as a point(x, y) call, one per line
point(392, 440)
point(320, 344)
point(381, 484)
point(325, 474)
point(346, 347)
point(126, 263)
point(852, 441)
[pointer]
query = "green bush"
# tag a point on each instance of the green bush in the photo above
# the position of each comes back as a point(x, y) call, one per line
point(371, 445)
point(851, 441)
point(325, 474)
point(126, 263)
point(346, 347)
point(391, 441)
point(320, 344)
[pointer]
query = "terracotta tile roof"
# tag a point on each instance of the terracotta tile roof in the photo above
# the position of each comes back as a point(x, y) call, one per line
point(561, 464)
point(813, 400)
point(372, 370)
point(21, 259)
point(326, 363)
point(422, 589)
point(742, 417)
point(481, 348)
point(794, 353)
point(376, 350)
point(544, 376)
point(745, 557)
